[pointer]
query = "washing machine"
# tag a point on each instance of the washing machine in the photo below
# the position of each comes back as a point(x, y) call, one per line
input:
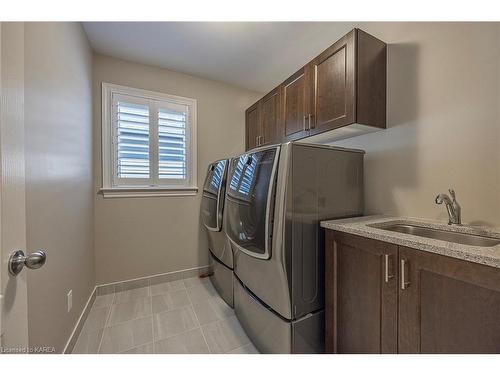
point(212, 209)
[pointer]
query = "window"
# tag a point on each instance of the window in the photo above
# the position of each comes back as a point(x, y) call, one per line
point(148, 143)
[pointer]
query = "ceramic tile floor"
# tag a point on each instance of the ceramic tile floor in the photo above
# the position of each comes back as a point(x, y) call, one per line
point(183, 316)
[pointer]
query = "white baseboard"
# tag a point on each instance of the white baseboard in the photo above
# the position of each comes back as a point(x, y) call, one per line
point(70, 344)
point(160, 277)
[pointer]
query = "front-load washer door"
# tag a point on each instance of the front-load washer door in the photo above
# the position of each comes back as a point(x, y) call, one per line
point(213, 196)
point(250, 201)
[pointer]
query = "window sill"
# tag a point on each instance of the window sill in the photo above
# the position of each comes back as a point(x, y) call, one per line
point(148, 192)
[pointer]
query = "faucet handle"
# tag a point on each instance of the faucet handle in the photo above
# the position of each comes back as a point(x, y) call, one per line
point(452, 193)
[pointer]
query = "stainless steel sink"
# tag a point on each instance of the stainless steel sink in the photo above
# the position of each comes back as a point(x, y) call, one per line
point(443, 235)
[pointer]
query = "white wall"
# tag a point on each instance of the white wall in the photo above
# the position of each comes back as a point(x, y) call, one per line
point(136, 237)
point(443, 122)
point(59, 200)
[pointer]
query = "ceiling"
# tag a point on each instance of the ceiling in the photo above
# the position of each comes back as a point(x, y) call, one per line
point(255, 56)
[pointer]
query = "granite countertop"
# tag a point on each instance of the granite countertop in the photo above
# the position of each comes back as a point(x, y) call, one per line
point(362, 226)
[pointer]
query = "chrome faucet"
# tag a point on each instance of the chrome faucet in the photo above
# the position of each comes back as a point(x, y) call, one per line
point(454, 214)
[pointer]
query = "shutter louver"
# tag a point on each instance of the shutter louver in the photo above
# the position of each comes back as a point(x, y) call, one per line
point(248, 177)
point(132, 140)
point(172, 144)
point(217, 176)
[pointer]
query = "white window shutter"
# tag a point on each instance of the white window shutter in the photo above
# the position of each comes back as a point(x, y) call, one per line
point(172, 143)
point(149, 142)
point(132, 140)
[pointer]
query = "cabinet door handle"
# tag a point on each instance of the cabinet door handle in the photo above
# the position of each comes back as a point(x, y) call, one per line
point(304, 123)
point(388, 264)
point(404, 284)
point(311, 124)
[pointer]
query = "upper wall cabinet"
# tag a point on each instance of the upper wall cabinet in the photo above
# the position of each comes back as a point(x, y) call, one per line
point(253, 129)
point(263, 121)
point(344, 85)
point(270, 118)
point(333, 86)
point(296, 105)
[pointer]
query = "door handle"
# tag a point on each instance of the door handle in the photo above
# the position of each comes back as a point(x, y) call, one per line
point(404, 284)
point(18, 260)
point(304, 123)
point(388, 264)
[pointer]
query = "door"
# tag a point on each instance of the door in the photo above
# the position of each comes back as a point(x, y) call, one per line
point(447, 305)
point(14, 311)
point(361, 295)
point(334, 86)
point(212, 202)
point(253, 126)
point(295, 105)
point(270, 118)
point(249, 201)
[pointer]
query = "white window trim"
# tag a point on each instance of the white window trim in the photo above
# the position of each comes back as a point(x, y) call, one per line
point(109, 190)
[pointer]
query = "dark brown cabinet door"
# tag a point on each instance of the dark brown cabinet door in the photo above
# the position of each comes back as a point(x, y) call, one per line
point(270, 118)
point(295, 105)
point(447, 305)
point(253, 126)
point(361, 295)
point(333, 74)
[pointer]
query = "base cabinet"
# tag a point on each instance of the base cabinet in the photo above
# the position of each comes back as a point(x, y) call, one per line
point(448, 306)
point(363, 302)
point(381, 298)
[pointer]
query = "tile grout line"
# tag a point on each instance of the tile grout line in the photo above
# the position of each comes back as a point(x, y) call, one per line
point(239, 347)
point(106, 323)
point(224, 319)
point(108, 319)
point(185, 288)
point(134, 300)
point(199, 324)
point(242, 346)
point(210, 300)
point(93, 308)
point(152, 316)
point(178, 334)
point(168, 310)
point(202, 333)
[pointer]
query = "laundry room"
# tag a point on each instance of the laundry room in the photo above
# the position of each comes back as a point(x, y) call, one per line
point(249, 183)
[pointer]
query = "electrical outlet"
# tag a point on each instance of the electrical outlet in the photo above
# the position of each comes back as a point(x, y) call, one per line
point(70, 300)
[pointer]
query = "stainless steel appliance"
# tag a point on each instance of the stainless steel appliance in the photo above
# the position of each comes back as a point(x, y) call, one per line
point(275, 198)
point(212, 208)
